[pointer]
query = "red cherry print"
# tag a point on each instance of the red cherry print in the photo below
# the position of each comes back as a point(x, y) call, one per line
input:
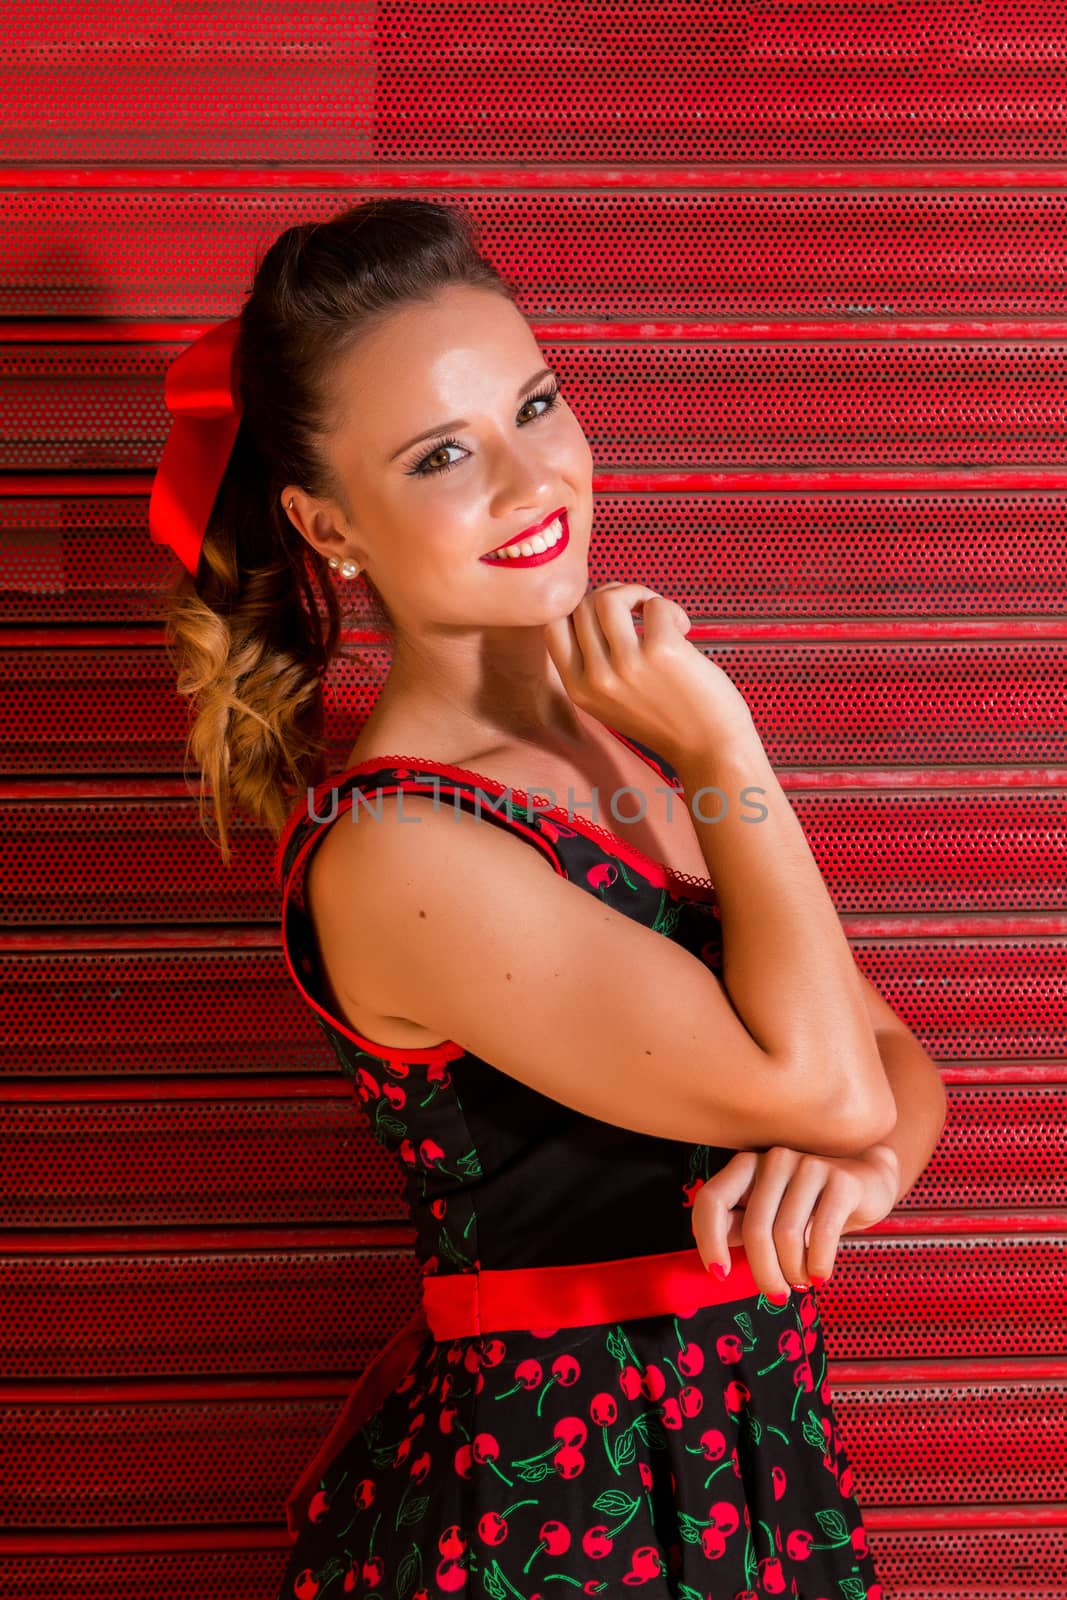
point(420, 1467)
point(713, 1444)
point(556, 1538)
point(712, 1543)
point(484, 1447)
point(691, 1190)
point(363, 1494)
point(722, 1514)
point(351, 1579)
point(691, 1401)
point(597, 1542)
point(438, 1208)
point(859, 1541)
point(728, 1347)
point(462, 1460)
point(529, 1373)
point(646, 1474)
point(373, 1570)
point(645, 1564)
point(771, 1575)
point(492, 1528)
point(789, 1344)
point(565, 1370)
point(415, 1425)
point(396, 1096)
point(554, 831)
point(671, 1414)
point(430, 1152)
point(451, 1543)
point(367, 1085)
point(406, 1152)
point(493, 1352)
point(798, 1544)
point(803, 1377)
point(306, 1586)
point(736, 1395)
point(778, 1479)
point(571, 1430)
point(446, 1420)
point(319, 1506)
point(450, 1576)
point(472, 1358)
point(603, 1410)
point(690, 1360)
point(397, 1069)
point(569, 1462)
point(844, 1482)
point(602, 876)
point(653, 1383)
point(630, 1382)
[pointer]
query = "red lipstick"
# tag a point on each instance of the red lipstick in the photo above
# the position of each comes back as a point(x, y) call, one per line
point(539, 556)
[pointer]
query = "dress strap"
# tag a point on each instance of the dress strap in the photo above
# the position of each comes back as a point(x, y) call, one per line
point(366, 787)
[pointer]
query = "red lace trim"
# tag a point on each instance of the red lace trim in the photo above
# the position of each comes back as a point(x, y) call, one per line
point(613, 843)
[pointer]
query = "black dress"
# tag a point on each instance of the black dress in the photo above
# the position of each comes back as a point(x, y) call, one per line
point(681, 1455)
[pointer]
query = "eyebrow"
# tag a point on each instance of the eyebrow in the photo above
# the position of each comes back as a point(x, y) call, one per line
point(545, 372)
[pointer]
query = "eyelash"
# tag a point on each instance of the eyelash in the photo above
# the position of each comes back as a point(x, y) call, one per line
point(420, 470)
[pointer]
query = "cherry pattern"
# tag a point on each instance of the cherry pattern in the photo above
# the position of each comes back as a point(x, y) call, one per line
point(695, 1456)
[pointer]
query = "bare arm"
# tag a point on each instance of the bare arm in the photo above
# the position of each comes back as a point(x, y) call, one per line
point(918, 1091)
point(788, 967)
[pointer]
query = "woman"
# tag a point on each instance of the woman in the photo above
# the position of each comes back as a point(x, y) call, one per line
point(523, 989)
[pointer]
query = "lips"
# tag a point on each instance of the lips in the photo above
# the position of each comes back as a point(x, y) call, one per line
point(529, 533)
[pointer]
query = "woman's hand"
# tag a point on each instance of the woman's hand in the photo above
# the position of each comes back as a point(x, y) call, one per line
point(789, 1209)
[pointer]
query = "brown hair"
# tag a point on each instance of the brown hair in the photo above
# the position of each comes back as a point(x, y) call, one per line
point(253, 634)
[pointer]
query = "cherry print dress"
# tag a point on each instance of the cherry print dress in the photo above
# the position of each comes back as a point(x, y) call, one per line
point(693, 1455)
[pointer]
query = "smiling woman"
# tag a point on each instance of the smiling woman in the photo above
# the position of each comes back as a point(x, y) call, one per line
point(534, 1014)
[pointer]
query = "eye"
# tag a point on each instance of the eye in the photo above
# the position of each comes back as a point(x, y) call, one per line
point(550, 395)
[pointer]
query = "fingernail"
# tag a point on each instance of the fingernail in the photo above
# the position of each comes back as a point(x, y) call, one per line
point(817, 1283)
point(778, 1299)
point(802, 1286)
point(720, 1272)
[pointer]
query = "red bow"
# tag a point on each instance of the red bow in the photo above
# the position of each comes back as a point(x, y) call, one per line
point(202, 395)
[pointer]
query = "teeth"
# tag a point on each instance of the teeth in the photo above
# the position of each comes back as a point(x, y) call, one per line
point(540, 541)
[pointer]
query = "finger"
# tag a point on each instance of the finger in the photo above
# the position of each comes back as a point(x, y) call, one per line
point(803, 1192)
point(827, 1223)
point(713, 1208)
point(596, 656)
point(776, 1167)
point(614, 612)
point(561, 643)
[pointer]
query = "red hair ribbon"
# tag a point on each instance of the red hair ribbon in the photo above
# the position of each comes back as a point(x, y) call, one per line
point(202, 395)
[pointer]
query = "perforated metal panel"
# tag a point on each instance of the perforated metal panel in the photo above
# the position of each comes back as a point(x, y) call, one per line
point(802, 271)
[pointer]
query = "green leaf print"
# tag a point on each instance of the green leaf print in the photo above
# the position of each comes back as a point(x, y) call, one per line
point(469, 1165)
point(833, 1525)
point(415, 1510)
point(450, 1252)
point(813, 1431)
point(613, 1503)
point(667, 915)
point(409, 1573)
point(852, 1588)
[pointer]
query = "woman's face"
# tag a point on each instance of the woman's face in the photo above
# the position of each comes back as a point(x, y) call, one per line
point(498, 457)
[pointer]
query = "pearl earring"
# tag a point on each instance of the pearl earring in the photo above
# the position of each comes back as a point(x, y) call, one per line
point(347, 568)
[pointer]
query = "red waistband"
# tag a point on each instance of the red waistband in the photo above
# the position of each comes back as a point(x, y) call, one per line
point(463, 1304)
point(455, 1305)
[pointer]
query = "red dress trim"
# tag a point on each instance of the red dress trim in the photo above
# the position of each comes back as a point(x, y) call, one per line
point(657, 872)
point(461, 1305)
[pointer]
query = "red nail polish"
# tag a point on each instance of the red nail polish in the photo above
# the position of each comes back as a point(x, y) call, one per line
point(778, 1299)
point(817, 1283)
point(720, 1272)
